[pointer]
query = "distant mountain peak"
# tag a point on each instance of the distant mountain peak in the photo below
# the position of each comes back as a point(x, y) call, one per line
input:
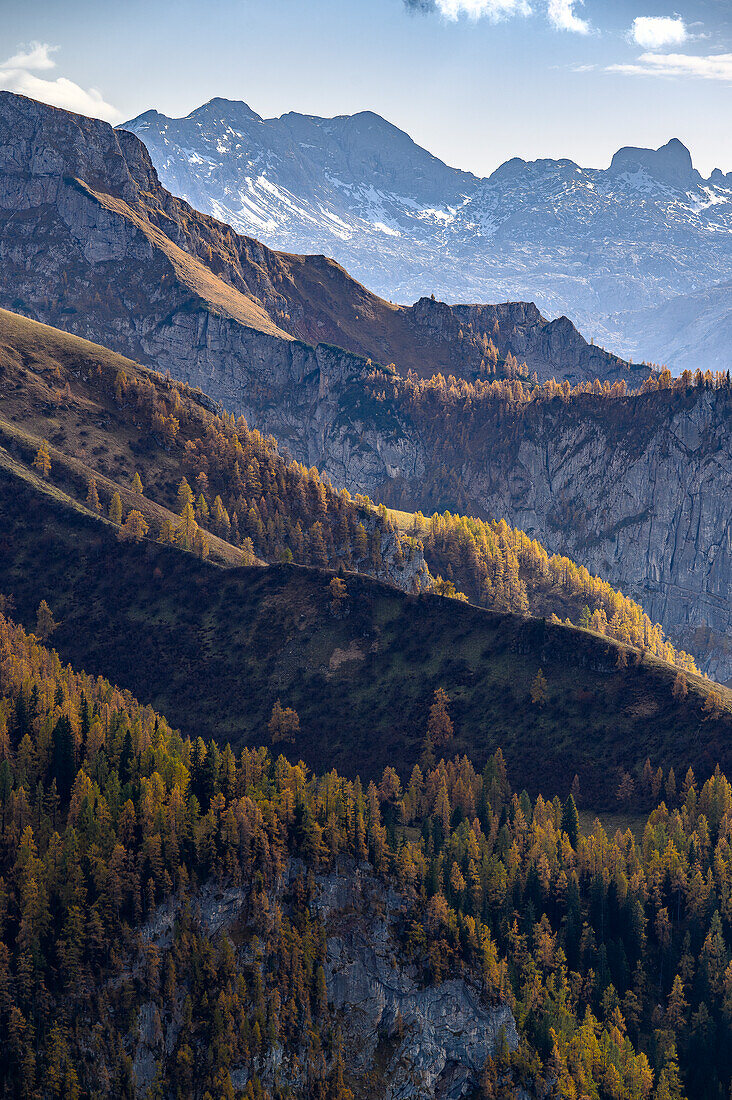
point(671, 163)
point(231, 109)
point(592, 243)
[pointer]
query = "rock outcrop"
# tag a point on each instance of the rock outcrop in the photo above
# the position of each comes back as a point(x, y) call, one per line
point(435, 1039)
point(429, 1040)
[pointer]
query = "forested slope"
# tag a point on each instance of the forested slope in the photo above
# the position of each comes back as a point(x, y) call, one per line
point(179, 918)
point(109, 420)
point(358, 663)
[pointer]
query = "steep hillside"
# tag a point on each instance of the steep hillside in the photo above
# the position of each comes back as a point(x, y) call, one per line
point(110, 420)
point(218, 647)
point(179, 920)
point(636, 488)
point(586, 242)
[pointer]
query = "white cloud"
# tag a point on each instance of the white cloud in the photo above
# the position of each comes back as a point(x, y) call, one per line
point(36, 55)
point(17, 75)
point(475, 9)
point(60, 92)
point(655, 32)
point(563, 16)
point(710, 67)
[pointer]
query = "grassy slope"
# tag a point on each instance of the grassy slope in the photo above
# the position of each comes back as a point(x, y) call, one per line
point(213, 648)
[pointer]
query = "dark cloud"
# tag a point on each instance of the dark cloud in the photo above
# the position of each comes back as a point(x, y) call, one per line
point(419, 5)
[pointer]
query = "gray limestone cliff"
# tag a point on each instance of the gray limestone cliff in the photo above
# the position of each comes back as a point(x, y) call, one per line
point(428, 1040)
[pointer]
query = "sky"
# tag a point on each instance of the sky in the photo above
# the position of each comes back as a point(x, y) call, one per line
point(474, 81)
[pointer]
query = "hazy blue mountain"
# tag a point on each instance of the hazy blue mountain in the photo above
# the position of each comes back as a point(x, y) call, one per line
point(597, 244)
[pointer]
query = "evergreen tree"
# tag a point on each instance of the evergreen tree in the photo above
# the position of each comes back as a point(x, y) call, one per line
point(42, 461)
point(135, 528)
point(570, 820)
point(63, 767)
point(45, 622)
point(439, 727)
point(115, 509)
point(538, 689)
point(92, 496)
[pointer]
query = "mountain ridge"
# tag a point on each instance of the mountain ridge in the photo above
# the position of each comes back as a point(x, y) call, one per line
point(332, 409)
point(590, 243)
point(290, 297)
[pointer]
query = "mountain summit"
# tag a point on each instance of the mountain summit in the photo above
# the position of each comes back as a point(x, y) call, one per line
point(595, 244)
point(670, 164)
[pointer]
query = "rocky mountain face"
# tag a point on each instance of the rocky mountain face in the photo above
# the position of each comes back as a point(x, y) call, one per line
point(591, 243)
point(692, 330)
point(91, 243)
point(637, 489)
point(418, 1041)
point(70, 226)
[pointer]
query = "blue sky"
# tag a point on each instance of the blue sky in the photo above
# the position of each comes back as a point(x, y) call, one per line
point(474, 81)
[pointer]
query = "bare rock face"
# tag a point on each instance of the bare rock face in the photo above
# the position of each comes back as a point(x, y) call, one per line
point(432, 1040)
point(437, 1038)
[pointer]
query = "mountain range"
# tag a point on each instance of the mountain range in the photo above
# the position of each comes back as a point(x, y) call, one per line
point(259, 839)
point(92, 243)
point(608, 247)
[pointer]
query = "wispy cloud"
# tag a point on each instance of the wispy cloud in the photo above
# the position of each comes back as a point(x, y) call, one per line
point(18, 74)
point(494, 10)
point(561, 13)
point(655, 32)
point(706, 67)
point(563, 16)
point(36, 55)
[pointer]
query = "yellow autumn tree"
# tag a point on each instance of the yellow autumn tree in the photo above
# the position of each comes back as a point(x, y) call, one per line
point(115, 509)
point(538, 689)
point(42, 461)
point(92, 496)
point(135, 528)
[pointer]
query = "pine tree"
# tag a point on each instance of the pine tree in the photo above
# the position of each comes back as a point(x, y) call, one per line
point(439, 725)
point(284, 724)
point(538, 689)
point(626, 786)
point(681, 688)
point(135, 528)
point(200, 544)
point(42, 461)
point(570, 820)
point(137, 484)
point(338, 596)
point(185, 495)
point(248, 556)
point(166, 533)
point(201, 509)
point(92, 496)
point(45, 622)
point(185, 532)
point(63, 766)
point(115, 509)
